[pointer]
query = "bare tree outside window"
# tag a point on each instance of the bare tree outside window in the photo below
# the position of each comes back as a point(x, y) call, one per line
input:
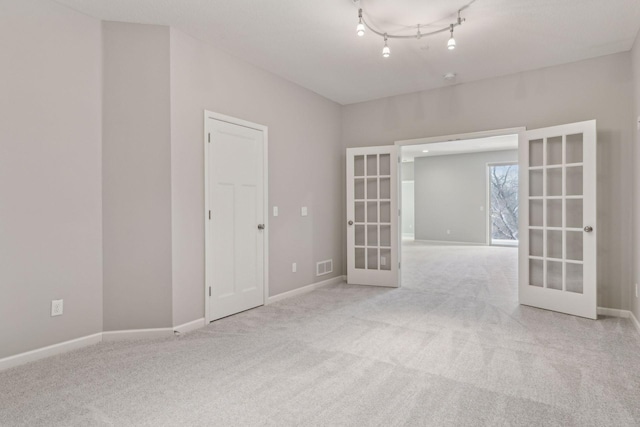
point(504, 202)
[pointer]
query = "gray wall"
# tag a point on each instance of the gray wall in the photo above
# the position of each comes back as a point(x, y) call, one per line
point(306, 167)
point(50, 203)
point(449, 192)
point(599, 89)
point(635, 302)
point(136, 177)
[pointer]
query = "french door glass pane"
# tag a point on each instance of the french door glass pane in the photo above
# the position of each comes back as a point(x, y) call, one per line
point(536, 153)
point(536, 272)
point(535, 183)
point(574, 213)
point(554, 275)
point(536, 213)
point(554, 151)
point(574, 148)
point(385, 164)
point(358, 166)
point(574, 278)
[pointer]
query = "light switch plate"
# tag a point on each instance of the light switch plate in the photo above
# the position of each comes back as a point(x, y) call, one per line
point(294, 267)
point(275, 211)
point(303, 211)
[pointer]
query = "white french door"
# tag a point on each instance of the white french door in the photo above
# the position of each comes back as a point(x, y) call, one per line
point(372, 216)
point(235, 216)
point(557, 257)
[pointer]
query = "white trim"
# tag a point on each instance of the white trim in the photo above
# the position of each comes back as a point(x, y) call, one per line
point(634, 320)
point(447, 242)
point(613, 312)
point(190, 326)
point(462, 136)
point(265, 132)
point(137, 334)
point(306, 289)
point(48, 351)
point(624, 314)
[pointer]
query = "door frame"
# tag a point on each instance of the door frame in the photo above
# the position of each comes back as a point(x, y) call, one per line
point(207, 203)
point(433, 139)
point(488, 203)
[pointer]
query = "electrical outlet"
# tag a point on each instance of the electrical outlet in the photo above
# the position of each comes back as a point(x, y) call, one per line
point(448, 231)
point(294, 267)
point(303, 211)
point(57, 307)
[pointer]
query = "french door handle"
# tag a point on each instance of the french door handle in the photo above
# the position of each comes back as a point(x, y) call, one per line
point(588, 229)
point(260, 226)
point(350, 222)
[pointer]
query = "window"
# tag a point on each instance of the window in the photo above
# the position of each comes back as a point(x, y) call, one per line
point(503, 193)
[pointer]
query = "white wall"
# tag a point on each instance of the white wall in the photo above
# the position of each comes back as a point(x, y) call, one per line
point(136, 177)
point(306, 167)
point(449, 192)
point(50, 167)
point(635, 301)
point(598, 89)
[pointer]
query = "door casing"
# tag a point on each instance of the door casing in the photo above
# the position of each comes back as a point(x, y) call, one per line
point(207, 202)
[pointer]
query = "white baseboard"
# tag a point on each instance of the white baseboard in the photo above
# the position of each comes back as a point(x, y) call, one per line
point(446, 242)
point(634, 320)
point(613, 312)
point(625, 314)
point(305, 289)
point(137, 334)
point(51, 350)
point(190, 326)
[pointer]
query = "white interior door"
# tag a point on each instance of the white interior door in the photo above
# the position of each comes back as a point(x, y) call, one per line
point(235, 212)
point(557, 265)
point(372, 216)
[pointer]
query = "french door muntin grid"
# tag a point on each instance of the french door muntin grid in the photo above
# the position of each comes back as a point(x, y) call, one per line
point(559, 158)
point(372, 208)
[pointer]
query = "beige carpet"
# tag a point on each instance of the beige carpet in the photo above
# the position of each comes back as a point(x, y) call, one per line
point(452, 347)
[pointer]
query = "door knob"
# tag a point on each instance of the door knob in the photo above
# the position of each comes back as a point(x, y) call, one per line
point(260, 226)
point(350, 222)
point(588, 229)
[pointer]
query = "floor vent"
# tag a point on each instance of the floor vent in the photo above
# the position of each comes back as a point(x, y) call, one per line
point(324, 267)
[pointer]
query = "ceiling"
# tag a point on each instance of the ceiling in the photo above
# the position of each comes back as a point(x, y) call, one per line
point(314, 43)
point(494, 143)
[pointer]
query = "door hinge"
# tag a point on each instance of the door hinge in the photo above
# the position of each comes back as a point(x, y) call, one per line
point(209, 290)
point(399, 212)
point(209, 137)
point(398, 266)
point(209, 214)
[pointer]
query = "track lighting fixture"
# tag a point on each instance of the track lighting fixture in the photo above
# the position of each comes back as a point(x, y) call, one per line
point(451, 44)
point(386, 52)
point(360, 27)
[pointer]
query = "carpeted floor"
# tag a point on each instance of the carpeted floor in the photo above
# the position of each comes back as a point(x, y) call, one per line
point(452, 347)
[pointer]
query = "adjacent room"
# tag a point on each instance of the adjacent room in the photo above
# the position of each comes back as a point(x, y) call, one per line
point(459, 215)
point(347, 212)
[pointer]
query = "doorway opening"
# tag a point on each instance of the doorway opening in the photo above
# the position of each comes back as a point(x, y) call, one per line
point(459, 214)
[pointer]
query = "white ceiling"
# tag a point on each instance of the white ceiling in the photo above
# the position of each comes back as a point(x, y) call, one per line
point(313, 43)
point(494, 143)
